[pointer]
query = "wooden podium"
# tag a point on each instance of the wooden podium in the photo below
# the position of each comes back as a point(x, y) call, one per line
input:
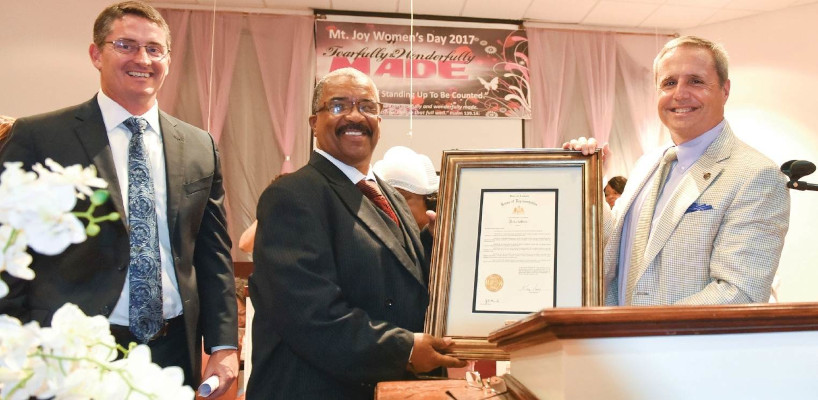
point(669, 352)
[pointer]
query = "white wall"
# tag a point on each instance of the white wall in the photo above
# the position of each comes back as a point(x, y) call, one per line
point(44, 50)
point(431, 136)
point(772, 106)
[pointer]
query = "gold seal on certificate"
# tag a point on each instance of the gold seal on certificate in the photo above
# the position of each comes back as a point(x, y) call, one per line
point(494, 282)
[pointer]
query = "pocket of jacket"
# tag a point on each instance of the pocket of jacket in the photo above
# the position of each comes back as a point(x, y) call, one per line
point(198, 185)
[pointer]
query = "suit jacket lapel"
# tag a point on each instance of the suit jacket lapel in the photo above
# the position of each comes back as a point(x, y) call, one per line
point(612, 247)
point(173, 142)
point(690, 188)
point(407, 220)
point(92, 134)
point(365, 211)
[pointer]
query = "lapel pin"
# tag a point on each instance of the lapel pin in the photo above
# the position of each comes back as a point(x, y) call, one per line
point(706, 175)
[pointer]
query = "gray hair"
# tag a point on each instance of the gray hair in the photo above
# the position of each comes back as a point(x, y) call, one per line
point(715, 49)
point(359, 76)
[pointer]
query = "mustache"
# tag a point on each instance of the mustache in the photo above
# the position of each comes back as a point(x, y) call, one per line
point(353, 126)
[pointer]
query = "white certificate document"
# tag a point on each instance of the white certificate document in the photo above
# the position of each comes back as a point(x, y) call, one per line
point(516, 251)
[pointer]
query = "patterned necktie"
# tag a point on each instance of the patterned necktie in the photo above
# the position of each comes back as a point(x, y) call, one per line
point(145, 312)
point(643, 225)
point(371, 190)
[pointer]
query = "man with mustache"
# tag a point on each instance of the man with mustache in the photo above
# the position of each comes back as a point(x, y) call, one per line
point(340, 281)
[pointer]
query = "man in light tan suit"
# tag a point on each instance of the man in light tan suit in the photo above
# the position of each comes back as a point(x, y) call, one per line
point(712, 230)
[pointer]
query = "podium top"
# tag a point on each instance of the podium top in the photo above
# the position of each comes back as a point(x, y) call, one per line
point(598, 322)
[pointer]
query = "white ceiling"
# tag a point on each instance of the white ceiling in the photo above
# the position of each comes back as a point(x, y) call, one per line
point(623, 14)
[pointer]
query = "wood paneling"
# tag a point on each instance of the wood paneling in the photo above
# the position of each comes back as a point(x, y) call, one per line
point(242, 269)
point(597, 322)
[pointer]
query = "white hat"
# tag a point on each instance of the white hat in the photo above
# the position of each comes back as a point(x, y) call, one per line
point(402, 168)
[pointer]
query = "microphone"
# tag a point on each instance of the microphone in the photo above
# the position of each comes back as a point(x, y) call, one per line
point(797, 169)
point(785, 168)
point(800, 169)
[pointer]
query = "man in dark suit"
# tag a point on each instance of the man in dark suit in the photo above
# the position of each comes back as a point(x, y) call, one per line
point(339, 285)
point(189, 245)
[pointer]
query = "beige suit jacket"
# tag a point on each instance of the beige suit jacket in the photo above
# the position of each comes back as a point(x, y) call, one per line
point(726, 250)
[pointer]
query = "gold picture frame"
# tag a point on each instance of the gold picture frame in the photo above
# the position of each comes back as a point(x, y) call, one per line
point(537, 213)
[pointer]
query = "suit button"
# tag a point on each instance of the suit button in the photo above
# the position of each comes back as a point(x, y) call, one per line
point(105, 310)
point(389, 303)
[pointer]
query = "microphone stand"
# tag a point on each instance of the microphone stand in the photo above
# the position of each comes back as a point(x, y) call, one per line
point(799, 185)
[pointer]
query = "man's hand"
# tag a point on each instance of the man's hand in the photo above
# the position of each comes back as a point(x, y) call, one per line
point(425, 355)
point(225, 365)
point(586, 146)
point(432, 221)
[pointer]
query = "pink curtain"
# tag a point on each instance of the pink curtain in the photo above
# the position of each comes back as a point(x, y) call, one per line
point(553, 68)
point(286, 79)
point(640, 88)
point(178, 22)
point(575, 92)
point(228, 26)
point(596, 58)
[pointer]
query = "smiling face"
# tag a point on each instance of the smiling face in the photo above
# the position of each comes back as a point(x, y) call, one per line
point(133, 81)
point(611, 195)
point(691, 99)
point(351, 138)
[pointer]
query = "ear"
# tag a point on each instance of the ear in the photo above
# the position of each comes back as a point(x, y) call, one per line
point(96, 56)
point(313, 120)
point(379, 130)
point(726, 89)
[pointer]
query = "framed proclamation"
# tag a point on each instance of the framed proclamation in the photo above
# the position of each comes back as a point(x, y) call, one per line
point(517, 231)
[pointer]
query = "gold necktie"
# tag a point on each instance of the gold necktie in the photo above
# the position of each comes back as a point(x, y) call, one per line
point(640, 237)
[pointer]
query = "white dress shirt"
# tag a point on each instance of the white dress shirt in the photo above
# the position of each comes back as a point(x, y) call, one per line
point(113, 115)
point(351, 172)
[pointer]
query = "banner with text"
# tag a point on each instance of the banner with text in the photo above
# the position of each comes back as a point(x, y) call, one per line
point(455, 71)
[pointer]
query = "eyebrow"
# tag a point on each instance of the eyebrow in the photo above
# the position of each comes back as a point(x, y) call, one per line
point(350, 98)
point(134, 40)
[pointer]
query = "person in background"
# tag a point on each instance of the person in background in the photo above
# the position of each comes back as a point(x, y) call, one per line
point(414, 176)
point(614, 189)
point(162, 272)
point(5, 129)
point(339, 290)
point(702, 220)
point(241, 299)
point(248, 237)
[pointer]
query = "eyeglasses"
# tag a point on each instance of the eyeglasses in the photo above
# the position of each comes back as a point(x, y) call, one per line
point(344, 106)
point(156, 52)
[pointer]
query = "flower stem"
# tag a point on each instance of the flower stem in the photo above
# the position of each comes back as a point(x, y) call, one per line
point(12, 238)
point(122, 372)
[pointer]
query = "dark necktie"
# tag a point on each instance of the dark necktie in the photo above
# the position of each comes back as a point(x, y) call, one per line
point(145, 312)
point(371, 190)
point(642, 234)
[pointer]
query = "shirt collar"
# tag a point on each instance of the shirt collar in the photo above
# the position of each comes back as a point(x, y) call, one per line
point(351, 172)
point(114, 114)
point(689, 152)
